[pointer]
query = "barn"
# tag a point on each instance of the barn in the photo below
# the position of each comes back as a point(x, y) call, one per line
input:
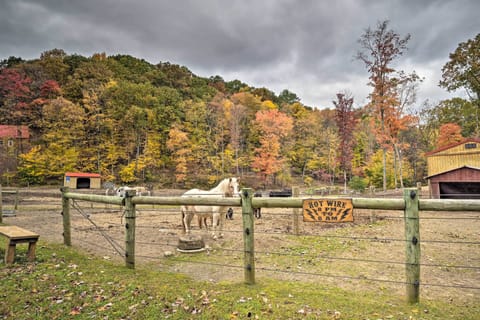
point(454, 171)
point(81, 180)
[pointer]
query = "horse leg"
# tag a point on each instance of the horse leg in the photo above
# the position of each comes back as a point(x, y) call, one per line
point(221, 217)
point(205, 221)
point(217, 225)
point(214, 224)
point(184, 227)
point(186, 220)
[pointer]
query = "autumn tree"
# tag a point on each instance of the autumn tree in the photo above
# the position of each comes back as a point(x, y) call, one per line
point(15, 95)
point(345, 119)
point(179, 145)
point(303, 154)
point(274, 126)
point(247, 106)
point(449, 133)
point(59, 149)
point(379, 48)
point(235, 115)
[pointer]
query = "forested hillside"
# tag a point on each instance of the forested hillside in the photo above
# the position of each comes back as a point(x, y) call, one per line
point(137, 122)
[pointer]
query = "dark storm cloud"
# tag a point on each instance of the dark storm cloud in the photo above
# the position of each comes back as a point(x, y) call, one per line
point(304, 46)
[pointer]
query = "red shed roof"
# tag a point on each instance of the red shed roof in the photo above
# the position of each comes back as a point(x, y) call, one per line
point(82, 175)
point(9, 131)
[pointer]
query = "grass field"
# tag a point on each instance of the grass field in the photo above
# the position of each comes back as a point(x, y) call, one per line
point(66, 284)
point(326, 272)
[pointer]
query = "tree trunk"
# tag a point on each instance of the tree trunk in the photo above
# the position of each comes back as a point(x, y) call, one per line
point(384, 169)
point(400, 166)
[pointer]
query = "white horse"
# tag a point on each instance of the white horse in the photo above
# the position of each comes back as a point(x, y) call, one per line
point(226, 188)
point(141, 191)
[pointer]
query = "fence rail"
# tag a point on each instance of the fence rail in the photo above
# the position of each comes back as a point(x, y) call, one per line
point(410, 204)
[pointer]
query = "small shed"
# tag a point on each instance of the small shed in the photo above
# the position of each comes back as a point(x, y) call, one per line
point(460, 183)
point(81, 180)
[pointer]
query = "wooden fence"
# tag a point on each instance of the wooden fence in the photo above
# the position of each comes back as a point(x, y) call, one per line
point(410, 204)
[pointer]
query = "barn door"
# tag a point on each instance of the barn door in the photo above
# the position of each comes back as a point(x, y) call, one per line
point(83, 183)
point(459, 190)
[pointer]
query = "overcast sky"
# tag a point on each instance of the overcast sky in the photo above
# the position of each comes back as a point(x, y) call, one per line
point(305, 46)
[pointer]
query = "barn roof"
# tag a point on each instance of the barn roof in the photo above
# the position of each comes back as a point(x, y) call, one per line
point(459, 168)
point(82, 175)
point(9, 131)
point(451, 146)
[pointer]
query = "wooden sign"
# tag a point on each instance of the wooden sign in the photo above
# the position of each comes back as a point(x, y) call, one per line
point(327, 210)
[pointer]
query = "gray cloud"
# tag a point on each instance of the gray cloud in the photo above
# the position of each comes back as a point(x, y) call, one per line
point(304, 46)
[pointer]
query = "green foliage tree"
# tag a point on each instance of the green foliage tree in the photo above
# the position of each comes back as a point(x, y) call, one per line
point(457, 110)
point(463, 69)
point(53, 65)
point(358, 184)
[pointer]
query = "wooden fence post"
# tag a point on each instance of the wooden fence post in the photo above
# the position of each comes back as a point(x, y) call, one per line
point(16, 200)
point(67, 239)
point(130, 215)
point(295, 194)
point(248, 238)
point(412, 237)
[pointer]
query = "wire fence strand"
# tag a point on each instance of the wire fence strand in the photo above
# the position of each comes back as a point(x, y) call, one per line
point(146, 215)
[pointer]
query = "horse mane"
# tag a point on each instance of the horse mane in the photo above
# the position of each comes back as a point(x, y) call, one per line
point(223, 187)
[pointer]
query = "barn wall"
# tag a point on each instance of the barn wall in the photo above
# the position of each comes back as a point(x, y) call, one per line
point(462, 174)
point(70, 182)
point(434, 190)
point(446, 161)
point(95, 183)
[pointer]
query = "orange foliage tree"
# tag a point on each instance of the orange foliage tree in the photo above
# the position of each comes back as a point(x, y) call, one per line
point(178, 144)
point(449, 133)
point(379, 48)
point(273, 126)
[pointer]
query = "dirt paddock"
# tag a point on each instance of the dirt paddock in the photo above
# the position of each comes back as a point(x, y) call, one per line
point(346, 255)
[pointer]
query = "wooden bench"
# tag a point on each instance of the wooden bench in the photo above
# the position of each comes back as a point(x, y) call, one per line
point(16, 235)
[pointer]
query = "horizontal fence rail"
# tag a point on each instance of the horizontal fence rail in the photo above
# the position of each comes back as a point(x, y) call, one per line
point(410, 205)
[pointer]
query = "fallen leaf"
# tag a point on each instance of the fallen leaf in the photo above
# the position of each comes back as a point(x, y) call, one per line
point(75, 311)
